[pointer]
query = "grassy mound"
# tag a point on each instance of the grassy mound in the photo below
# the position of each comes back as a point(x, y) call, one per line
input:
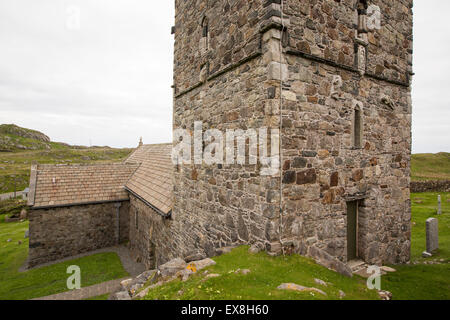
point(266, 274)
point(427, 166)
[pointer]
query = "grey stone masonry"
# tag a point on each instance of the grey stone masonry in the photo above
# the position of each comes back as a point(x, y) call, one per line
point(432, 235)
point(342, 98)
point(57, 233)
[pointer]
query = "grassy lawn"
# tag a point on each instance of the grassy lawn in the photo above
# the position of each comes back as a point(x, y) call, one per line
point(424, 206)
point(267, 273)
point(424, 281)
point(47, 280)
point(427, 166)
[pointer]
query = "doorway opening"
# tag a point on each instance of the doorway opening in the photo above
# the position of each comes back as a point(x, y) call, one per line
point(352, 230)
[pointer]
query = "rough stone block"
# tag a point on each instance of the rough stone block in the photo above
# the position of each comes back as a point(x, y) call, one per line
point(172, 267)
point(432, 235)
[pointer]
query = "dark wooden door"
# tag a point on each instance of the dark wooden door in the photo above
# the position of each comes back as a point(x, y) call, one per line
point(352, 222)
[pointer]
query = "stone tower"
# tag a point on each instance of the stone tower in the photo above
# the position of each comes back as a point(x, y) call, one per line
point(338, 72)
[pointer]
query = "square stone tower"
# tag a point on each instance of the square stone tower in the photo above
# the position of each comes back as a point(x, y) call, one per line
point(334, 77)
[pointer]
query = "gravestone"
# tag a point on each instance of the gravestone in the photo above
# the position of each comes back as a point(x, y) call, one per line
point(432, 235)
point(439, 205)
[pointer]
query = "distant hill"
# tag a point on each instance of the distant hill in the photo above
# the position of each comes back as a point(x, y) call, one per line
point(429, 166)
point(15, 138)
point(20, 147)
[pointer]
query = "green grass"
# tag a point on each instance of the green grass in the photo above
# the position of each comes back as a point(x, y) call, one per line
point(410, 282)
point(267, 273)
point(419, 282)
point(11, 207)
point(424, 281)
point(427, 166)
point(50, 279)
point(424, 206)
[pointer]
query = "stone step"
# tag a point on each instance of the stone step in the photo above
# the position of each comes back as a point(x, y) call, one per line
point(356, 265)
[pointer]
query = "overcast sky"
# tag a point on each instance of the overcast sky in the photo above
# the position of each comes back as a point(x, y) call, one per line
point(104, 79)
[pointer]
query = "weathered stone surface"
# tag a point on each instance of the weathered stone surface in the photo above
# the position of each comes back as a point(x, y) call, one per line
point(432, 235)
point(202, 264)
point(135, 288)
point(306, 177)
point(321, 282)
point(296, 287)
point(256, 248)
point(223, 250)
point(243, 271)
point(172, 267)
point(126, 284)
point(385, 295)
point(387, 269)
point(185, 274)
point(194, 256)
point(63, 232)
point(146, 276)
point(430, 186)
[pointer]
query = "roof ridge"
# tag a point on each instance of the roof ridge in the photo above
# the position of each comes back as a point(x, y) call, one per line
point(52, 165)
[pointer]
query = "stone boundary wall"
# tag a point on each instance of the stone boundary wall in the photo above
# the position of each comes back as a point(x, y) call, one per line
point(430, 186)
point(58, 233)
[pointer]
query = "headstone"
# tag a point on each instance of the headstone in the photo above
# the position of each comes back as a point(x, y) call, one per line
point(23, 214)
point(439, 205)
point(27, 233)
point(432, 235)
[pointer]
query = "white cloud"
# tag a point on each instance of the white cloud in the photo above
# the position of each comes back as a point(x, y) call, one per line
point(108, 82)
point(431, 102)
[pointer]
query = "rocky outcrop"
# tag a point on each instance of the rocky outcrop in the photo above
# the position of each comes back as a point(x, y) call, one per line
point(296, 287)
point(174, 269)
point(12, 129)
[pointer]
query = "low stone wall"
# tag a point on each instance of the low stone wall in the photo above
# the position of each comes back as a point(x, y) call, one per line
point(430, 186)
point(58, 233)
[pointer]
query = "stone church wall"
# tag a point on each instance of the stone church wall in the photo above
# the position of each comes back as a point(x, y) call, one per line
point(58, 233)
point(323, 169)
point(327, 79)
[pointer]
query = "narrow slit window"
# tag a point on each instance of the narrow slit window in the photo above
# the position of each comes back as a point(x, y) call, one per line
point(204, 42)
point(357, 129)
point(136, 219)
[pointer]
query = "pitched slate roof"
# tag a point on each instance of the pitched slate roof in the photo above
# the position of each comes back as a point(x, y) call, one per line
point(152, 181)
point(62, 185)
